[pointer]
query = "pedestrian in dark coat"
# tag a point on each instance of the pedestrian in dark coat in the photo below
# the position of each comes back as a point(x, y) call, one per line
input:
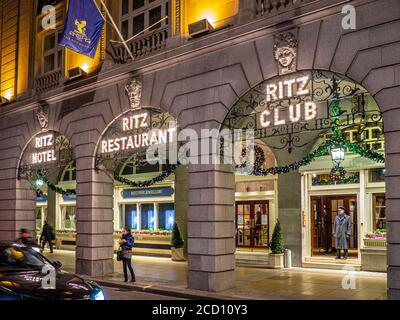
point(342, 231)
point(126, 242)
point(47, 236)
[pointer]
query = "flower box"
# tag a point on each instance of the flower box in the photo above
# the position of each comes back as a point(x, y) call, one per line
point(375, 242)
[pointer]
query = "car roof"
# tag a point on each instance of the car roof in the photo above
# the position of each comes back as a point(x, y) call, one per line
point(11, 243)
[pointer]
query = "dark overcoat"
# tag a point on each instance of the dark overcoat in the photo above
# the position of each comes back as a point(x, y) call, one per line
point(342, 229)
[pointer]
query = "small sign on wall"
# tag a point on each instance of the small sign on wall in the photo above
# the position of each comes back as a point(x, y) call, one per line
point(147, 192)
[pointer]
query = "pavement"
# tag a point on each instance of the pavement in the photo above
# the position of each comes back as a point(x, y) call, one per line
point(160, 278)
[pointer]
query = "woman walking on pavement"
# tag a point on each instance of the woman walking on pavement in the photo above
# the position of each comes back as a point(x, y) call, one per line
point(126, 242)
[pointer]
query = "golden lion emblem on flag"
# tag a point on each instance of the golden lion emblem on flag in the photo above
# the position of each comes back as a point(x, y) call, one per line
point(80, 31)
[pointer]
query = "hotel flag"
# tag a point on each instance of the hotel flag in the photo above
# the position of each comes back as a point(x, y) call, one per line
point(83, 27)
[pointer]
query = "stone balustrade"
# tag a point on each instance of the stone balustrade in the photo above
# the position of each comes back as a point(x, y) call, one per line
point(263, 7)
point(48, 81)
point(142, 46)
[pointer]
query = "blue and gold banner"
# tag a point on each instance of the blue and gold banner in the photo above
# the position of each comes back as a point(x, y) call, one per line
point(83, 27)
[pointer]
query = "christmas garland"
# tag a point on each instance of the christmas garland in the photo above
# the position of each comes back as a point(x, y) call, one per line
point(171, 168)
point(338, 139)
point(42, 176)
point(354, 178)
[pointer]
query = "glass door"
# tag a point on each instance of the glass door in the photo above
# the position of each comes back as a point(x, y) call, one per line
point(252, 224)
point(324, 210)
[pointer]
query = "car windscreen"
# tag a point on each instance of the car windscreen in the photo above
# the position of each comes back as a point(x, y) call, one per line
point(16, 257)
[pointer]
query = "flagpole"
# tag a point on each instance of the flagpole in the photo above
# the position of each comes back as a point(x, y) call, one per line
point(115, 27)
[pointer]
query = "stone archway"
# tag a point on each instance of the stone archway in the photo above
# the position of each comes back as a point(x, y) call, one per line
point(39, 165)
point(289, 113)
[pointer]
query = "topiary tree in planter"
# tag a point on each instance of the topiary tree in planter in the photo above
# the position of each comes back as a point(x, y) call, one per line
point(177, 244)
point(176, 240)
point(276, 246)
point(277, 240)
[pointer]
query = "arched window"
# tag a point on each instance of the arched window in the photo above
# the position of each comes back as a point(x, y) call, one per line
point(69, 173)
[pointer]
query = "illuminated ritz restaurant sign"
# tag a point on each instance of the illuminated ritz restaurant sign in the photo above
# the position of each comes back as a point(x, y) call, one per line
point(134, 131)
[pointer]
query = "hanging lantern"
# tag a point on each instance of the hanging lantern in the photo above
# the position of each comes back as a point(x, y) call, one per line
point(337, 153)
point(39, 183)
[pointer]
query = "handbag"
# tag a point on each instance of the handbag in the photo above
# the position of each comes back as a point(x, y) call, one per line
point(120, 255)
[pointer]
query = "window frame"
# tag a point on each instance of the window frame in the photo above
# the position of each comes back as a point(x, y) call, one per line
point(58, 65)
point(145, 10)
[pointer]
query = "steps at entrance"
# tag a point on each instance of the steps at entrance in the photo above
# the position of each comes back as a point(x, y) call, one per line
point(332, 264)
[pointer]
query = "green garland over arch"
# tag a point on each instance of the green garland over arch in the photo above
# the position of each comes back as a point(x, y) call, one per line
point(171, 168)
point(40, 175)
point(338, 139)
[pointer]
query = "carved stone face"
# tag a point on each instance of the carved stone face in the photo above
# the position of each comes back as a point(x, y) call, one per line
point(43, 119)
point(285, 56)
point(134, 91)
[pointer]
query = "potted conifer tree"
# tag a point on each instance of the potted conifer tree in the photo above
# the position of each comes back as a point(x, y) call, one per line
point(177, 245)
point(277, 249)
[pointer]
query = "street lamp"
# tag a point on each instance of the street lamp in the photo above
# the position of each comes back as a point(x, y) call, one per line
point(337, 153)
point(39, 183)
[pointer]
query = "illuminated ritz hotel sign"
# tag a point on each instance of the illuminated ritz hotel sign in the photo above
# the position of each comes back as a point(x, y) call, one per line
point(136, 133)
point(285, 90)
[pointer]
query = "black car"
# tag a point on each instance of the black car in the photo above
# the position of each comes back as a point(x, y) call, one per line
point(27, 274)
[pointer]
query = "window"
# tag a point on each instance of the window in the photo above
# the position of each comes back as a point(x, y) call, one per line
point(147, 216)
point(166, 216)
point(255, 186)
point(68, 217)
point(377, 175)
point(52, 57)
point(69, 173)
point(131, 169)
point(138, 24)
point(130, 217)
point(137, 4)
point(154, 17)
point(378, 211)
point(125, 29)
point(125, 7)
point(42, 3)
point(138, 15)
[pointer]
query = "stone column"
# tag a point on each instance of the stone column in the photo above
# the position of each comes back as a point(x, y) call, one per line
point(51, 200)
point(17, 208)
point(181, 201)
point(393, 213)
point(211, 227)
point(289, 195)
point(94, 243)
point(289, 213)
point(51, 208)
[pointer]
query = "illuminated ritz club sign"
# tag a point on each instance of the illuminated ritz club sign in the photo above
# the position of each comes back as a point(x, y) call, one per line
point(42, 156)
point(291, 88)
point(137, 123)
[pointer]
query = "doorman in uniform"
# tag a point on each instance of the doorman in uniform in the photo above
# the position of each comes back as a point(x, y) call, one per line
point(342, 231)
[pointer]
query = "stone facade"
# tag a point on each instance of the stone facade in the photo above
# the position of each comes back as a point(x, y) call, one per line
point(198, 83)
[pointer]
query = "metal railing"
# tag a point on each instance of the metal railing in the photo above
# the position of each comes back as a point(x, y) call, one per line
point(48, 81)
point(142, 46)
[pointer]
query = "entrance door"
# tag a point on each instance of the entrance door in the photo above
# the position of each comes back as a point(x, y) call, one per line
point(324, 209)
point(252, 224)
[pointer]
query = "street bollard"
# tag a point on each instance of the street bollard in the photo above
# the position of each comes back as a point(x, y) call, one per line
point(288, 258)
